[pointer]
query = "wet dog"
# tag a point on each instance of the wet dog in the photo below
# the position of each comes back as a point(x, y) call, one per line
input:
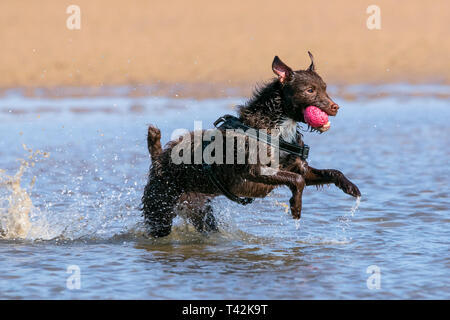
point(277, 107)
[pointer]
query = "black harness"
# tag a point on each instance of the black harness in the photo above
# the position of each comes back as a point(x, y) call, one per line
point(231, 122)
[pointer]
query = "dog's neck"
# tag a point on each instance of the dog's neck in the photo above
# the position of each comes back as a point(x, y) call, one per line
point(265, 110)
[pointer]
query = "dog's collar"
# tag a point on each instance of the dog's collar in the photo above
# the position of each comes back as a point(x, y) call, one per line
point(231, 122)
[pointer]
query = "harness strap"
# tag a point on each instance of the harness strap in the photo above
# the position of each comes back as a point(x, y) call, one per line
point(231, 122)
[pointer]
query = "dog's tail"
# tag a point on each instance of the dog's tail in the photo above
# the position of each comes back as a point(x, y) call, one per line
point(154, 142)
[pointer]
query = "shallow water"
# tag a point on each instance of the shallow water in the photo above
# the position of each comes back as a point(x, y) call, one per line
point(83, 207)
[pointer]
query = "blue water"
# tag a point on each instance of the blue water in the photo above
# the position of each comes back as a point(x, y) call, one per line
point(86, 195)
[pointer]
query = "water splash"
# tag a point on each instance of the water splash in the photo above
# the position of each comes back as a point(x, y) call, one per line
point(16, 206)
point(355, 206)
point(284, 205)
point(102, 213)
point(344, 221)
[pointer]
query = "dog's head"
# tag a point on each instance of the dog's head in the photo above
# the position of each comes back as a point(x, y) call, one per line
point(303, 88)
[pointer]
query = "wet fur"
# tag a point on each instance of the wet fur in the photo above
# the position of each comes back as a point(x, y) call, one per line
point(173, 188)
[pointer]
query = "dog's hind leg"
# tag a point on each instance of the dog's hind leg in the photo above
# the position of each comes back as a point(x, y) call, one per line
point(158, 204)
point(199, 211)
point(203, 218)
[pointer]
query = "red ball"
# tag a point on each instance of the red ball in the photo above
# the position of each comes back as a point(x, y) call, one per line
point(315, 117)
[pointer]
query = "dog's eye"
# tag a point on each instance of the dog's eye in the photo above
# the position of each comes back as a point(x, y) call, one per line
point(310, 90)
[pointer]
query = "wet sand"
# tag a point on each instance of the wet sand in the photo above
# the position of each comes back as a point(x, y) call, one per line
point(219, 44)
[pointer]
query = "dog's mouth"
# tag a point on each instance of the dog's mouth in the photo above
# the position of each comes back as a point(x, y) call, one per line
point(325, 127)
point(316, 118)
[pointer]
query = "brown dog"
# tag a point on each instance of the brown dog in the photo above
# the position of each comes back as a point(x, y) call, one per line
point(276, 107)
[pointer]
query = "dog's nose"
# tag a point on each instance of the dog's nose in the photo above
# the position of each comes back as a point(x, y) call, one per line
point(334, 107)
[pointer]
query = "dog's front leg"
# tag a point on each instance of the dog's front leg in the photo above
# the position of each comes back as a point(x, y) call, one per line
point(274, 177)
point(325, 176)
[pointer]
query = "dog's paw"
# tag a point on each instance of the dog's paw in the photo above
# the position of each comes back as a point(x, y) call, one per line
point(350, 188)
point(344, 184)
point(296, 210)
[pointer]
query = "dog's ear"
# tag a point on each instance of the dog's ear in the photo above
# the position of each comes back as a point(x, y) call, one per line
point(283, 72)
point(311, 67)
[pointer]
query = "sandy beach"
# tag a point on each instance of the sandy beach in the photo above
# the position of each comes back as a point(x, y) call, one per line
point(226, 43)
point(75, 107)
